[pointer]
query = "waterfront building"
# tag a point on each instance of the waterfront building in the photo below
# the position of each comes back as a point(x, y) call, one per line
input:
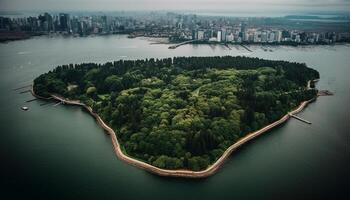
point(64, 22)
point(219, 36)
point(271, 37)
point(264, 36)
point(183, 27)
point(278, 36)
point(223, 34)
point(200, 35)
point(194, 34)
point(257, 36)
point(213, 39)
point(230, 37)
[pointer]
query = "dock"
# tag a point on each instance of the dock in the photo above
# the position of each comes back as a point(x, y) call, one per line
point(246, 48)
point(300, 119)
point(180, 44)
point(325, 93)
point(22, 87)
point(24, 91)
point(61, 102)
point(46, 103)
point(30, 100)
point(226, 45)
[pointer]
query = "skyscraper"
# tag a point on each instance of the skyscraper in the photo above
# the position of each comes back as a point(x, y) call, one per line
point(64, 22)
point(243, 30)
point(223, 34)
point(219, 36)
point(194, 35)
point(49, 20)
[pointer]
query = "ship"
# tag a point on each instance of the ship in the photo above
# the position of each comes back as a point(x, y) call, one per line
point(25, 108)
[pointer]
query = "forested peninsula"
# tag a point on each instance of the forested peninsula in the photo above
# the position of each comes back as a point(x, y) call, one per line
point(182, 112)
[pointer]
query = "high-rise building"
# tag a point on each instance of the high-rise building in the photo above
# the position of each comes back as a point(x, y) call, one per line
point(317, 37)
point(104, 23)
point(218, 37)
point(75, 25)
point(64, 22)
point(245, 37)
point(230, 37)
point(49, 20)
point(264, 36)
point(271, 37)
point(243, 31)
point(257, 36)
point(223, 34)
point(194, 35)
point(278, 36)
point(200, 35)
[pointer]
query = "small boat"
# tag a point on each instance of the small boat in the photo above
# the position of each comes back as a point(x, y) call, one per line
point(25, 108)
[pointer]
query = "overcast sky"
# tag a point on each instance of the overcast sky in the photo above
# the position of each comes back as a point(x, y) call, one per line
point(196, 5)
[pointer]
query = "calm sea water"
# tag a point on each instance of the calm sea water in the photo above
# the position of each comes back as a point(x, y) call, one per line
point(61, 153)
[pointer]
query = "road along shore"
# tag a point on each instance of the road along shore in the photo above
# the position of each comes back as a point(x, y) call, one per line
point(175, 173)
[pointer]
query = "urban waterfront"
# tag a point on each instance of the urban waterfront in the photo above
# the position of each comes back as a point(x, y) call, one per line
point(289, 30)
point(60, 152)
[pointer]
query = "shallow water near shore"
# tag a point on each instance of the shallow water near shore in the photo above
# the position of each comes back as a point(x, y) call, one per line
point(61, 153)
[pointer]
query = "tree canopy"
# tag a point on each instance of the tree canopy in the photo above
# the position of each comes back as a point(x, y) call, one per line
point(183, 112)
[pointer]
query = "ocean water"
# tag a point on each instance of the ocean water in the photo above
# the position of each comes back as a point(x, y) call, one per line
point(61, 153)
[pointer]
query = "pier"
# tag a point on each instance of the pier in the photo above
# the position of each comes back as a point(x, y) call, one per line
point(226, 45)
point(24, 91)
point(59, 103)
point(31, 100)
point(22, 87)
point(299, 118)
point(46, 103)
point(180, 44)
point(246, 48)
point(325, 93)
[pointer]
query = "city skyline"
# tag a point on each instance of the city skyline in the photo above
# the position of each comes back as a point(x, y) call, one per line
point(178, 28)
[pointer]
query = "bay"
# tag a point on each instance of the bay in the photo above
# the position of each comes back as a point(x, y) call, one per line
point(61, 153)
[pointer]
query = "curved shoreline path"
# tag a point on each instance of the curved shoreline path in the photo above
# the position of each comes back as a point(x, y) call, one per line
point(176, 173)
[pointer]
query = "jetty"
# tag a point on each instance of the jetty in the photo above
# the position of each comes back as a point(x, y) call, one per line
point(226, 45)
point(59, 103)
point(299, 118)
point(325, 93)
point(45, 103)
point(30, 100)
point(26, 86)
point(246, 48)
point(25, 91)
point(180, 44)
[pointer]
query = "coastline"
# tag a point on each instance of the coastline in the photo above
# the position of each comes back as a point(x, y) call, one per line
point(34, 35)
point(176, 173)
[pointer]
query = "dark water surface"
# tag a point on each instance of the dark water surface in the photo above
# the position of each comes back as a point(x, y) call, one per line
point(61, 153)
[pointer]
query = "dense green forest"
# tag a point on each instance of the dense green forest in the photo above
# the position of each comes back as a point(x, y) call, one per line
point(183, 112)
